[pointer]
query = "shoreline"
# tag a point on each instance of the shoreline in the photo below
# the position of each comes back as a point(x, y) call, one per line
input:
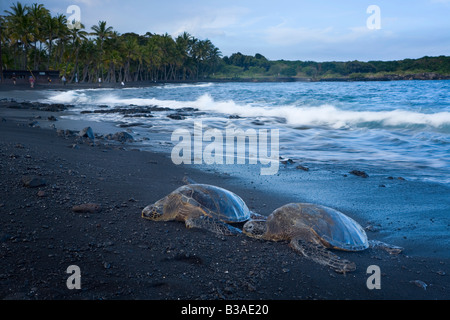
point(127, 257)
point(136, 84)
point(407, 211)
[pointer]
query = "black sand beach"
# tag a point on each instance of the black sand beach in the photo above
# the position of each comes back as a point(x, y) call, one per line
point(122, 256)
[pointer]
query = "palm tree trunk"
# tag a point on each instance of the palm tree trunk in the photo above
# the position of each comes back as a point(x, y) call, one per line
point(50, 44)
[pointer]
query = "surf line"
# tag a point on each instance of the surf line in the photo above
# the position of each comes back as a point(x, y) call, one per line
point(233, 140)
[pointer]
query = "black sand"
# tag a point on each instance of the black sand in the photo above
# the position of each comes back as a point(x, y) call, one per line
point(122, 256)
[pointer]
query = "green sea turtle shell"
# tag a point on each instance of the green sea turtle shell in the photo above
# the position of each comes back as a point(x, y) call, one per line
point(334, 229)
point(216, 202)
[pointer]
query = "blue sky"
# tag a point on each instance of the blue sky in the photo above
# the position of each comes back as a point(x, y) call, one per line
point(318, 30)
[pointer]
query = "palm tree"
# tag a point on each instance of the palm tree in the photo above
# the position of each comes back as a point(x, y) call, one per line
point(49, 29)
point(168, 48)
point(88, 54)
point(129, 57)
point(62, 37)
point(130, 49)
point(183, 42)
point(54, 28)
point(214, 56)
point(102, 32)
point(153, 56)
point(77, 36)
point(37, 12)
point(200, 52)
point(19, 27)
point(113, 57)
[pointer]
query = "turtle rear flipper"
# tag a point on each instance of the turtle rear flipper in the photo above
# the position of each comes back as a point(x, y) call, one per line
point(322, 255)
point(375, 244)
point(213, 225)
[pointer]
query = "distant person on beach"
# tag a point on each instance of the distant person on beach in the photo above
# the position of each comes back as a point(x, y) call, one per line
point(14, 80)
point(31, 79)
point(49, 80)
point(99, 82)
point(64, 80)
point(122, 84)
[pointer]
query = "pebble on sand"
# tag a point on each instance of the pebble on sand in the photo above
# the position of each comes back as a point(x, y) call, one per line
point(33, 182)
point(87, 208)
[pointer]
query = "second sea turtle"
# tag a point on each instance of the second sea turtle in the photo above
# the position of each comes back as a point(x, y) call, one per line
point(314, 229)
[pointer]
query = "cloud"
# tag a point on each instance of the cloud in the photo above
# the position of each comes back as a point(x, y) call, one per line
point(287, 36)
point(329, 43)
point(440, 1)
point(86, 2)
point(210, 22)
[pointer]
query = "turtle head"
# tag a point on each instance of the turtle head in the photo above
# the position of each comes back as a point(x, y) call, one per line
point(153, 211)
point(255, 228)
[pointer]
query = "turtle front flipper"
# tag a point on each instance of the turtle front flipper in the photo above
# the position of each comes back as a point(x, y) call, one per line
point(322, 255)
point(213, 225)
point(375, 244)
point(187, 180)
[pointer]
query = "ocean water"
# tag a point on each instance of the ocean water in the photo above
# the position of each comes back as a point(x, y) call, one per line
point(398, 126)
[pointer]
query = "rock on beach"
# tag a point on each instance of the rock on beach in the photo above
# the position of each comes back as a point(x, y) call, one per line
point(33, 181)
point(87, 133)
point(87, 208)
point(120, 136)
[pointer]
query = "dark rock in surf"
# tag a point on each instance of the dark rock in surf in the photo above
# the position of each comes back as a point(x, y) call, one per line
point(128, 125)
point(286, 160)
point(258, 122)
point(33, 124)
point(176, 116)
point(120, 136)
point(56, 107)
point(358, 173)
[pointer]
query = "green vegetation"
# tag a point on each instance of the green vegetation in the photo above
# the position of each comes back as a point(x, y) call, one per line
point(258, 67)
point(31, 38)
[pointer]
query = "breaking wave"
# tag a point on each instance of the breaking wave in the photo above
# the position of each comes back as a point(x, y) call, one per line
point(326, 115)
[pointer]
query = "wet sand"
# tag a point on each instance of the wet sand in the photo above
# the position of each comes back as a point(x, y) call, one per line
point(122, 256)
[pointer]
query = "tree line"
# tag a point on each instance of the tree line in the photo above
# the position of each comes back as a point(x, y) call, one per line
point(31, 38)
point(240, 65)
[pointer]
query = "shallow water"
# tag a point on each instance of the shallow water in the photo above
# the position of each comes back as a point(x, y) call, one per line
point(401, 125)
point(388, 129)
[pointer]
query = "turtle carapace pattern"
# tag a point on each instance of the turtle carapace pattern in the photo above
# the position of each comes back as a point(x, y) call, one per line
point(312, 230)
point(202, 206)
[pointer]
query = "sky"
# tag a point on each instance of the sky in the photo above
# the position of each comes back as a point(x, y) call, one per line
point(313, 30)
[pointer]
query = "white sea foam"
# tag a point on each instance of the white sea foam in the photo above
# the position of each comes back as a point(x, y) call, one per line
point(69, 97)
point(186, 85)
point(324, 115)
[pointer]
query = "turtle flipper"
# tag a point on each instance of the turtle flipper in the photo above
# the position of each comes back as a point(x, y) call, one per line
point(187, 180)
point(322, 255)
point(375, 244)
point(213, 225)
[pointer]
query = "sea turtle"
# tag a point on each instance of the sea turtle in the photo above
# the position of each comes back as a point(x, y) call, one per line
point(202, 206)
point(312, 229)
